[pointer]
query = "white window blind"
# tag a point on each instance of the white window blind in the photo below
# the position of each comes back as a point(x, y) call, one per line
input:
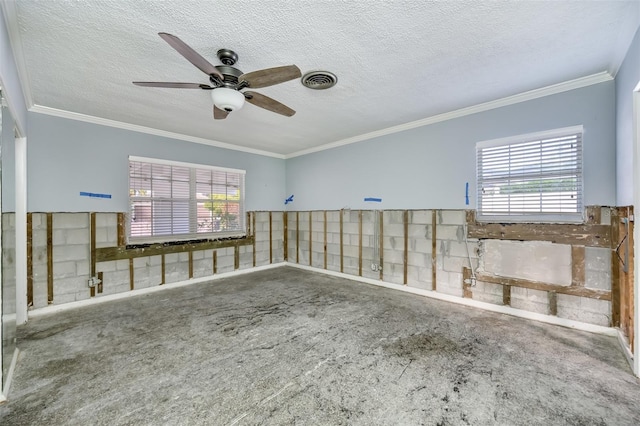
point(178, 201)
point(534, 177)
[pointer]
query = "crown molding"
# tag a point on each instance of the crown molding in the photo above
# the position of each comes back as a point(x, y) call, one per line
point(9, 9)
point(142, 129)
point(510, 100)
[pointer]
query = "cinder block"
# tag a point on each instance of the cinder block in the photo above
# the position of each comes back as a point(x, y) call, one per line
point(70, 252)
point(106, 220)
point(455, 264)
point(106, 266)
point(417, 231)
point(597, 259)
point(452, 217)
point(598, 279)
point(83, 267)
point(418, 259)
point(393, 217)
point(77, 236)
point(422, 217)
point(70, 220)
point(450, 232)
point(393, 230)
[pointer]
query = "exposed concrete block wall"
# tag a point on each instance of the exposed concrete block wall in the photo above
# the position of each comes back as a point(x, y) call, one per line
point(535, 261)
point(71, 256)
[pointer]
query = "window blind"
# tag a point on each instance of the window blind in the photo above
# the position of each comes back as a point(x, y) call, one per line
point(178, 201)
point(538, 178)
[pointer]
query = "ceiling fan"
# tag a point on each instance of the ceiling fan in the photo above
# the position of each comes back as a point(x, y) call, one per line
point(227, 81)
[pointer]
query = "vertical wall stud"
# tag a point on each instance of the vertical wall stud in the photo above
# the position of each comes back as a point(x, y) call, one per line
point(466, 288)
point(131, 277)
point(297, 237)
point(325, 239)
point(360, 242)
point(615, 269)
point(341, 241)
point(190, 264)
point(434, 262)
point(49, 258)
point(29, 259)
point(92, 250)
point(310, 238)
point(553, 303)
point(236, 257)
point(285, 242)
point(163, 270)
point(270, 237)
point(577, 266)
point(253, 226)
point(381, 244)
point(122, 230)
point(506, 295)
point(406, 244)
point(215, 262)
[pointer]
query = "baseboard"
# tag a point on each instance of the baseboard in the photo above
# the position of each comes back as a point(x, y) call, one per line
point(7, 384)
point(133, 293)
point(549, 319)
point(626, 348)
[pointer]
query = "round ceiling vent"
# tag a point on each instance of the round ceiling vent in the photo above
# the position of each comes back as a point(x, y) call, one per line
point(319, 80)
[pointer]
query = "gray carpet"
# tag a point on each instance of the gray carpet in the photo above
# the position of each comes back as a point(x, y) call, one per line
point(286, 346)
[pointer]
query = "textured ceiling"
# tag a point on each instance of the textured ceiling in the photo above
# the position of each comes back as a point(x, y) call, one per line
point(396, 61)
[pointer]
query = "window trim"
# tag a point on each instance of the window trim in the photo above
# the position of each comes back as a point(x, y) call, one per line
point(133, 240)
point(573, 217)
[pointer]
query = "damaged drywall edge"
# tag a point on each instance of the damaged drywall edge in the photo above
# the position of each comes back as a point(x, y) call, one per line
point(117, 296)
point(577, 325)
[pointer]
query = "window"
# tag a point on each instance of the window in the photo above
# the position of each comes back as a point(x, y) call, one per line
point(535, 177)
point(173, 201)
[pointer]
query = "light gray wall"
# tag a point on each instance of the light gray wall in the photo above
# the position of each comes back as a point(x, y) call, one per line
point(627, 79)
point(428, 167)
point(7, 153)
point(65, 157)
point(9, 79)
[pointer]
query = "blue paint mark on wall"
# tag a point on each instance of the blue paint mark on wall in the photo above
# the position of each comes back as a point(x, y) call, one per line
point(288, 200)
point(376, 200)
point(94, 195)
point(466, 194)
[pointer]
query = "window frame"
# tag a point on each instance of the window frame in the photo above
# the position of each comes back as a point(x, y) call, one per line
point(193, 204)
point(533, 217)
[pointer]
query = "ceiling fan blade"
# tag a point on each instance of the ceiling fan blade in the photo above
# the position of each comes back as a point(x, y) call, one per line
point(271, 76)
point(172, 85)
point(191, 55)
point(266, 102)
point(219, 114)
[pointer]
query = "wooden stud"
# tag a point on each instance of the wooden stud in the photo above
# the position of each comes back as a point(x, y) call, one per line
point(434, 250)
point(105, 254)
point(359, 242)
point(535, 285)
point(29, 259)
point(381, 241)
point(236, 257)
point(577, 266)
point(590, 235)
point(49, 258)
point(100, 285)
point(122, 230)
point(630, 280)
point(310, 239)
point(506, 295)
point(553, 303)
point(466, 283)
point(325, 240)
point(615, 269)
point(248, 221)
point(215, 262)
point(341, 241)
point(253, 226)
point(270, 238)
point(92, 250)
point(131, 277)
point(406, 245)
point(190, 264)
point(162, 265)
point(285, 242)
point(297, 237)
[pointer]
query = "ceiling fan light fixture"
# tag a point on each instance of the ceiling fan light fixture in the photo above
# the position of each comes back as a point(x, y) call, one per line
point(227, 99)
